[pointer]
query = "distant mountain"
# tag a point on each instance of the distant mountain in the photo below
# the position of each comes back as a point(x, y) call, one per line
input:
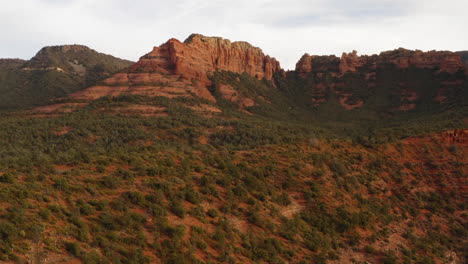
point(54, 72)
point(8, 64)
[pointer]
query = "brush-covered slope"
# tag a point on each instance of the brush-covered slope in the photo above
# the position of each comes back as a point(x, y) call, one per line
point(53, 72)
point(100, 186)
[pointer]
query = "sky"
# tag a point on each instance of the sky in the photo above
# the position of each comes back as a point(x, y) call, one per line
point(284, 29)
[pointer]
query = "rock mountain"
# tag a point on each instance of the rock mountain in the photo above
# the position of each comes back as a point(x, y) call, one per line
point(183, 68)
point(398, 80)
point(393, 81)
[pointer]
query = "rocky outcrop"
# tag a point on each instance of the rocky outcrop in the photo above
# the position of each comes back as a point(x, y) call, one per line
point(317, 64)
point(349, 62)
point(443, 70)
point(198, 56)
point(442, 61)
point(182, 68)
point(304, 65)
point(227, 92)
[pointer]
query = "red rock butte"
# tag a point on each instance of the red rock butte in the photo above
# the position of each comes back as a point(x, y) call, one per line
point(182, 68)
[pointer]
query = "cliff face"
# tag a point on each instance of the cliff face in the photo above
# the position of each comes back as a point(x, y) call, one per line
point(442, 61)
point(349, 62)
point(406, 77)
point(183, 68)
point(198, 56)
point(317, 64)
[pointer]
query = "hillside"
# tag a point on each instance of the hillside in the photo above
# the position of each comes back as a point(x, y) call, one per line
point(52, 73)
point(105, 187)
point(206, 151)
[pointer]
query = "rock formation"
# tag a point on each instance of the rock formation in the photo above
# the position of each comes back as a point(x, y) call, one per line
point(304, 65)
point(317, 64)
point(349, 62)
point(327, 73)
point(198, 56)
point(183, 68)
point(442, 61)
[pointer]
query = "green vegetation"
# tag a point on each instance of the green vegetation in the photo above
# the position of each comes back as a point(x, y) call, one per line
point(284, 185)
point(53, 73)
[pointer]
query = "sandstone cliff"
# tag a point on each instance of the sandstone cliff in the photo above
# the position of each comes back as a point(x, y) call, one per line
point(406, 76)
point(198, 56)
point(442, 61)
point(183, 68)
point(317, 64)
point(350, 62)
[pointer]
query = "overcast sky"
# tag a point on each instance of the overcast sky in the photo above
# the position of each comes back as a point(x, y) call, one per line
point(284, 29)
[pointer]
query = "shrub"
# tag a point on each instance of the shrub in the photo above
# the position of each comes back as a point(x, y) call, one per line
point(8, 232)
point(110, 182)
point(338, 167)
point(92, 258)
point(178, 209)
point(136, 198)
point(6, 178)
point(44, 213)
point(212, 212)
point(282, 199)
point(73, 248)
point(389, 258)
point(100, 169)
point(192, 196)
point(87, 209)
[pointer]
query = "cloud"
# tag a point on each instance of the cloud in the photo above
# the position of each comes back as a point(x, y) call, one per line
point(328, 13)
point(283, 29)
